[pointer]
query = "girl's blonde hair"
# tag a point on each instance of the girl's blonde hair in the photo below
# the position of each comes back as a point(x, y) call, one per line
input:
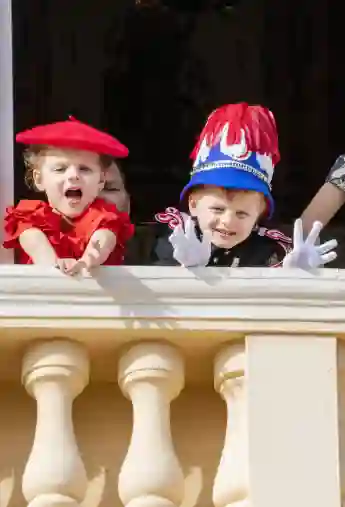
point(33, 156)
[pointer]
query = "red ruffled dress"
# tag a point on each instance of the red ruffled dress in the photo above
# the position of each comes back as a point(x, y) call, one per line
point(69, 238)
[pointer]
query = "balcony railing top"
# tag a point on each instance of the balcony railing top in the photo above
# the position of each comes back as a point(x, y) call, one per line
point(159, 300)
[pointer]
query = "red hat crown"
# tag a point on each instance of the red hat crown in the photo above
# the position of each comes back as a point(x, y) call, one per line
point(76, 135)
point(257, 123)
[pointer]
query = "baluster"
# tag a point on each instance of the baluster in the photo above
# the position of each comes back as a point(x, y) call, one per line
point(231, 482)
point(54, 373)
point(151, 375)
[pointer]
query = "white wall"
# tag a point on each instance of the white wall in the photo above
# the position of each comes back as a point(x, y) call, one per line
point(6, 118)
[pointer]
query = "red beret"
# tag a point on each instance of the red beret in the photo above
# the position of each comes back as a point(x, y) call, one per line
point(76, 135)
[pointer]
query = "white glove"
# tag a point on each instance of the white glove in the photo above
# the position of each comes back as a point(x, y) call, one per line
point(306, 254)
point(188, 249)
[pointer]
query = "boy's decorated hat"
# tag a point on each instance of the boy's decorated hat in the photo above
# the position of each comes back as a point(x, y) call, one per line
point(75, 135)
point(237, 149)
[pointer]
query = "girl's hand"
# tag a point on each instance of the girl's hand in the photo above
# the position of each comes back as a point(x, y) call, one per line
point(92, 255)
point(98, 249)
point(70, 267)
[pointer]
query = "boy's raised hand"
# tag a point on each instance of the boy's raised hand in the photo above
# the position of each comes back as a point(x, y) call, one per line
point(306, 254)
point(188, 249)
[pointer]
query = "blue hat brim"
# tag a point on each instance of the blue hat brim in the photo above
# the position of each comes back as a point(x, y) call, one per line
point(233, 179)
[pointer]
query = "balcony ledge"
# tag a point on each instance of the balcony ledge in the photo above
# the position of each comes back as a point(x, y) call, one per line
point(197, 310)
point(246, 299)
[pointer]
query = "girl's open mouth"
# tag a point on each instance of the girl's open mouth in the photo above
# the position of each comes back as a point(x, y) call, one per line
point(74, 193)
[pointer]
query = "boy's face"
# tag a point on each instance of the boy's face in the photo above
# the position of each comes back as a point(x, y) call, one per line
point(114, 189)
point(72, 179)
point(226, 216)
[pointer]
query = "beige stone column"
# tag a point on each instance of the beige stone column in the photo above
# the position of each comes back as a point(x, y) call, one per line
point(293, 421)
point(231, 481)
point(54, 373)
point(151, 375)
point(341, 416)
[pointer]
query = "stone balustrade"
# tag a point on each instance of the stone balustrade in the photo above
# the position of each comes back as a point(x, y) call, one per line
point(166, 387)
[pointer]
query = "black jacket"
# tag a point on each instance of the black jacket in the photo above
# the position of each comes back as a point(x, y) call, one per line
point(263, 248)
